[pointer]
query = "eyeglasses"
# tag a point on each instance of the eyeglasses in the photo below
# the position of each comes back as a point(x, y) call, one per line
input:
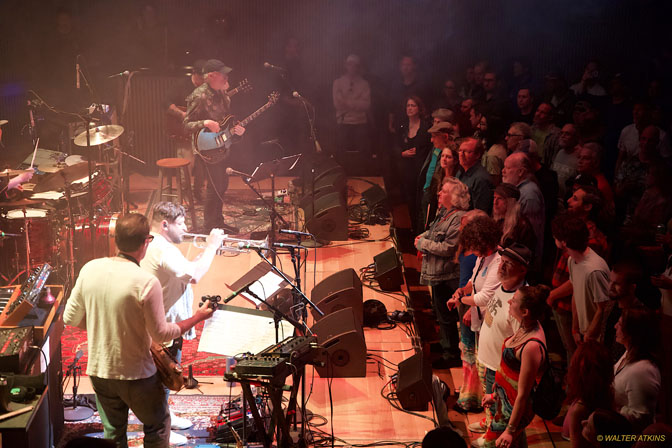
point(466, 151)
point(508, 134)
point(149, 238)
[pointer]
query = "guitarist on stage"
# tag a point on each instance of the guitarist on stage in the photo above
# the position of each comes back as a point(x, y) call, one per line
point(176, 110)
point(207, 106)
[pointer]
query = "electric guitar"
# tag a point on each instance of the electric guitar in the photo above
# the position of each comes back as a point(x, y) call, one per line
point(174, 126)
point(214, 147)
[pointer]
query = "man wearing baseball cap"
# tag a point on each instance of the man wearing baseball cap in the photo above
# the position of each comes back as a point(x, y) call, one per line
point(498, 325)
point(207, 106)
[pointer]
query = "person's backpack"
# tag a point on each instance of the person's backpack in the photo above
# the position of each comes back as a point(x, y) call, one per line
point(548, 395)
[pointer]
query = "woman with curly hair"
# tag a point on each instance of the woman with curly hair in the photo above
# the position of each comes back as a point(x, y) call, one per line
point(590, 386)
point(440, 269)
point(522, 357)
point(469, 398)
point(480, 237)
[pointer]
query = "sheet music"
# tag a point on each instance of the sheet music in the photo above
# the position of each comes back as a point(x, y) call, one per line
point(265, 287)
point(239, 330)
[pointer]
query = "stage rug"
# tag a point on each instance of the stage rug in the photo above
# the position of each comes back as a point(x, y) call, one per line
point(200, 409)
point(202, 363)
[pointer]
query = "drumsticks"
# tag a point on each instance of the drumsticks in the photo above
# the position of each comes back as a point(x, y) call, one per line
point(35, 152)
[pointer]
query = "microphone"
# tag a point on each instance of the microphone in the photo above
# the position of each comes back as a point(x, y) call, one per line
point(296, 94)
point(231, 172)
point(124, 73)
point(288, 246)
point(242, 245)
point(238, 292)
point(77, 75)
point(275, 141)
point(294, 232)
point(3, 234)
point(274, 67)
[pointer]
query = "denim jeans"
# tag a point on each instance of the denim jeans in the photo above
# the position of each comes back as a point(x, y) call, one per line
point(145, 397)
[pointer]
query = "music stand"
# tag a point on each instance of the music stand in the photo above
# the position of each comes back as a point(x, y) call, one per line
point(272, 169)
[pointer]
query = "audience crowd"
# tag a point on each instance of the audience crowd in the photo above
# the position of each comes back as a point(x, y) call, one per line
point(543, 212)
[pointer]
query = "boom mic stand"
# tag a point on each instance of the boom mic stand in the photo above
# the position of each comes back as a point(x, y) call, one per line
point(75, 413)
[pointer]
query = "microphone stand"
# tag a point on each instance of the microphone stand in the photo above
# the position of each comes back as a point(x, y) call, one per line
point(75, 413)
point(299, 293)
point(302, 328)
point(274, 213)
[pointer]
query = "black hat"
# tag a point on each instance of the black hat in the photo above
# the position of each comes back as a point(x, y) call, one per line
point(198, 66)
point(585, 179)
point(517, 252)
point(507, 191)
point(215, 65)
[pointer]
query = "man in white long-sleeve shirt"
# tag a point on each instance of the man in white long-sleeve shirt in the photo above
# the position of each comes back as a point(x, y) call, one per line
point(121, 307)
point(176, 274)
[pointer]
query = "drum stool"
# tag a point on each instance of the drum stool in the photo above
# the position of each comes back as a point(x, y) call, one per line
point(168, 168)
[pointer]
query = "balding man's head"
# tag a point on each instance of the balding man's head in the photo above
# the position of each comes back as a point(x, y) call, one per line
point(516, 168)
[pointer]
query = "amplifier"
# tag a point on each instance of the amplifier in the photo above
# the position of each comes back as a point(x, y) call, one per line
point(14, 345)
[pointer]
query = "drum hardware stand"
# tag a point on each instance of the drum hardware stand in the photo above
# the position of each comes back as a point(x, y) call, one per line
point(69, 240)
point(25, 230)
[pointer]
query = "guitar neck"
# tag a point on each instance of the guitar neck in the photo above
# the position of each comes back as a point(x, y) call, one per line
point(232, 92)
point(255, 114)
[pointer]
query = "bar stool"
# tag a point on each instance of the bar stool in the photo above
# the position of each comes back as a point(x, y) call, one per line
point(168, 168)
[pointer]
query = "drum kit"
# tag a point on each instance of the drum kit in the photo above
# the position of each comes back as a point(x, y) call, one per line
point(70, 217)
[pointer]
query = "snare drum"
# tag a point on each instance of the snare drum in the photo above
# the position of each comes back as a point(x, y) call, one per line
point(40, 237)
point(102, 193)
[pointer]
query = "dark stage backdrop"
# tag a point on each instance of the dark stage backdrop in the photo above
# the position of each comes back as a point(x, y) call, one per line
point(112, 36)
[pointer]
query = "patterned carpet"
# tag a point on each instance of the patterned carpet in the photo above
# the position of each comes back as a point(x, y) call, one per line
point(202, 410)
point(202, 363)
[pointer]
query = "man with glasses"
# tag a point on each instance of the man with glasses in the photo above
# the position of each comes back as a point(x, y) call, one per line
point(120, 305)
point(494, 102)
point(475, 176)
point(449, 98)
point(518, 132)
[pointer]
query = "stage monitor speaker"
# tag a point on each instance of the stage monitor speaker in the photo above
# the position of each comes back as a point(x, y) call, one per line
point(388, 270)
point(340, 290)
point(374, 197)
point(414, 383)
point(342, 337)
point(329, 221)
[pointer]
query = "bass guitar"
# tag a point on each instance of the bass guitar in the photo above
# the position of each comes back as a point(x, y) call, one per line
point(174, 126)
point(214, 147)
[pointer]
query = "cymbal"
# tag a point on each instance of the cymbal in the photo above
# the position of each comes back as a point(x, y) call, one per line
point(57, 181)
point(74, 159)
point(21, 203)
point(9, 172)
point(100, 135)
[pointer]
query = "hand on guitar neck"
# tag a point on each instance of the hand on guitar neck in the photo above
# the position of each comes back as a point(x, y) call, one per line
point(213, 126)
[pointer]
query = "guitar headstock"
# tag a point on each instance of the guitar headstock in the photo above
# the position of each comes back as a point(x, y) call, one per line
point(273, 97)
point(244, 85)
